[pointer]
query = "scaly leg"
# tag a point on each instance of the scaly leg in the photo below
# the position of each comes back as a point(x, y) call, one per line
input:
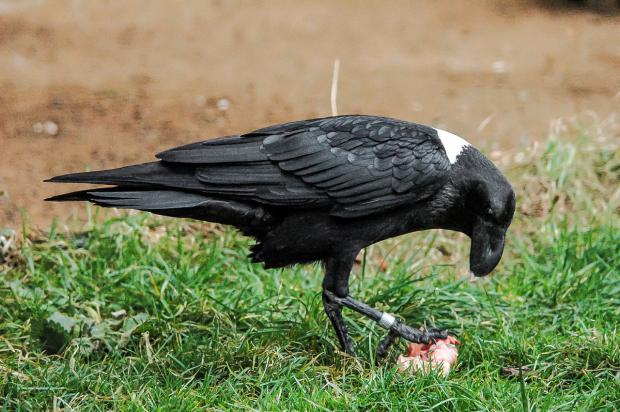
point(384, 347)
point(335, 284)
point(334, 313)
point(390, 323)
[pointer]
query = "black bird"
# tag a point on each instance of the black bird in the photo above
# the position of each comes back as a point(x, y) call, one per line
point(321, 190)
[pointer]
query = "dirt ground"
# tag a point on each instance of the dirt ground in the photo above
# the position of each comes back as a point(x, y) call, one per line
point(96, 84)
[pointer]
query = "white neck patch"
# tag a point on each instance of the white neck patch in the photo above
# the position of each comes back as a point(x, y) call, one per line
point(453, 144)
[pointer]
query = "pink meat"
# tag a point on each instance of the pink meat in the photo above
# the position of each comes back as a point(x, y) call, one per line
point(438, 356)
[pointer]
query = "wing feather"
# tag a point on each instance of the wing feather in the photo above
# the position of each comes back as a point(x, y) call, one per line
point(363, 163)
point(354, 165)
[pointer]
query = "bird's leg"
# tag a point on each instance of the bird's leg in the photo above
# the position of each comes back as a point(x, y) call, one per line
point(385, 345)
point(390, 323)
point(336, 285)
point(334, 313)
point(336, 295)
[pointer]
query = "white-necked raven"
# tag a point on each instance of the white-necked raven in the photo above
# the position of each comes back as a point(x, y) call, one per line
point(321, 190)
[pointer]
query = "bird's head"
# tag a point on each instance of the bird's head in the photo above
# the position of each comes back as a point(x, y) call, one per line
point(484, 210)
point(492, 203)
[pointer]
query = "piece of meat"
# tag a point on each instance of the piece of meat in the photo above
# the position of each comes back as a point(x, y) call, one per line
point(440, 356)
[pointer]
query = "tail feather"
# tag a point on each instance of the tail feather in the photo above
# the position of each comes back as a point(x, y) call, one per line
point(146, 174)
point(148, 199)
point(130, 198)
point(246, 217)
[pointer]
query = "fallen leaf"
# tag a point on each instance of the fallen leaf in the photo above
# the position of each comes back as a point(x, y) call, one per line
point(129, 327)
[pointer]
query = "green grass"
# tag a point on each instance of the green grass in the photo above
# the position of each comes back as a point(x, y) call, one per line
point(144, 313)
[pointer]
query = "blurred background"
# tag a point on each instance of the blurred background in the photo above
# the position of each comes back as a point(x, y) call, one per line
point(97, 84)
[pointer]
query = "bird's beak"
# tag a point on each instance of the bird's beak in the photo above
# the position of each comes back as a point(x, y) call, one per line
point(487, 246)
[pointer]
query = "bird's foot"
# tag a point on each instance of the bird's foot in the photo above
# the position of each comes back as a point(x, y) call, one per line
point(334, 312)
point(395, 328)
point(408, 333)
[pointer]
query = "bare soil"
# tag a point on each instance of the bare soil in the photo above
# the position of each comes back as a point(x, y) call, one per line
point(123, 79)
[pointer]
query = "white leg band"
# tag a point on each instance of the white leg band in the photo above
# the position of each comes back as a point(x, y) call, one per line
point(386, 320)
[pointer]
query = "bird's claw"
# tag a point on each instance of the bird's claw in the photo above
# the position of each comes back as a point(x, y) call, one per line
point(408, 333)
point(417, 335)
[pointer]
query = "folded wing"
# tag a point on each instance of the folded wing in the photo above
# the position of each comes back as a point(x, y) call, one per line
point(355, 165)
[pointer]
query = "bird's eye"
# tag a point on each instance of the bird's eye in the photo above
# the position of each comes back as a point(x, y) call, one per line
point(489, 212)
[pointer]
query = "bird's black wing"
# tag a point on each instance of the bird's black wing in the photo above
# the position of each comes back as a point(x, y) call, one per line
point(355, 165)
point(366, 164)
